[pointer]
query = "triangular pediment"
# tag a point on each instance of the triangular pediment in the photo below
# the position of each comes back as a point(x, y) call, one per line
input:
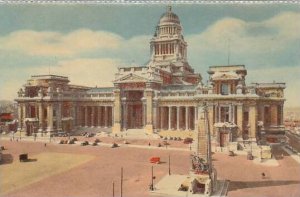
point(131, 78)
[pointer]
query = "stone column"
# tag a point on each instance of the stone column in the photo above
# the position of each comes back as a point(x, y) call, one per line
point(253, 120)
point(155, 114)
point(169, 118)
point(125, 118)
point(74, 111)
point(24, 116)
point(93, 116)
point(216, 113)
point(230, 113)
point(186, 118)
point(262, 113)
point(41, 118)
point(99, 116)
point(117, 112)
point(195, 117)
point(233, 113)
point(49, 118)
point(20, 123)
point(161, 117)
point(210, 111)
point(177, 118)
point(85, 116)
point(274, 114)
point(106, 116)
point(149, 100)
point(58, 117)
point(240, 119)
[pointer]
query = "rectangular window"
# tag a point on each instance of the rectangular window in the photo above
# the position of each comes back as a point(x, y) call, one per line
point(225, 114)
point(224, 89)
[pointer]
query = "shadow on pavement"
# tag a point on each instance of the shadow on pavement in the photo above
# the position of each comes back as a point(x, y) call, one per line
point(235, 185)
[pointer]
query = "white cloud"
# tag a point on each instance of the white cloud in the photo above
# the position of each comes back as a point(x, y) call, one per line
point(288, 75)
point(48, 43)
point(274, 34)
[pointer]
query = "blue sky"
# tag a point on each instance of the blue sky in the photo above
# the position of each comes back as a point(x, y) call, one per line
point(88, 42)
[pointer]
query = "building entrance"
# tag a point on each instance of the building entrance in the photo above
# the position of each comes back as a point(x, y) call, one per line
point(135, 116)
point(133, 110)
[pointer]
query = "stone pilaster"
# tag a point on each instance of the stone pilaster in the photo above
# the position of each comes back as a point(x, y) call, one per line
point(117, 112)
point(24, 115)
point(20, 123)
point(252, 120)
point(239, 121)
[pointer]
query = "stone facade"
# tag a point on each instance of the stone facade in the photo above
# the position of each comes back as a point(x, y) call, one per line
point(164, 96)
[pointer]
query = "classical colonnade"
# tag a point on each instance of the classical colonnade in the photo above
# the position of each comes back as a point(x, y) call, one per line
point(177, 117)
point(95, 116)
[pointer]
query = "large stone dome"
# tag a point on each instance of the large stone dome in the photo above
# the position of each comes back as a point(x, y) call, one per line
point(169, 17)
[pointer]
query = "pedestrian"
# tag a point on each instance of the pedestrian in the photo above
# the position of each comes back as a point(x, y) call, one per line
point(149, 144)
point(45, 144)
point(263, 176)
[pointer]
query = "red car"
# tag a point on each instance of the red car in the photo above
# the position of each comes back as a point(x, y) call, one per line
point(155, 160)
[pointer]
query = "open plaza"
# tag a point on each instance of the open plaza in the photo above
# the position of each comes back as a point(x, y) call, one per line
point(72, 170)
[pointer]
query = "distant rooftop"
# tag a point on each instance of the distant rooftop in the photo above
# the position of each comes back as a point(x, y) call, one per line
point(49, 77)
point(225, 68)
point(269, 85)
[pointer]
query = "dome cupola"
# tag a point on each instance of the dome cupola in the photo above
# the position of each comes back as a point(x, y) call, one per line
point(169, 17)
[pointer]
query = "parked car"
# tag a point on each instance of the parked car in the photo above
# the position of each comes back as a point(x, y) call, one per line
point(89, 135)
point(62, 134)
point(85, 143)
point(188, 140)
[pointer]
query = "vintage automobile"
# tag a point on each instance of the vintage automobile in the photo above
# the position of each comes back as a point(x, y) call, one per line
point(188, 140)
point(85, 143)
point(23, 157)
point(155, 160)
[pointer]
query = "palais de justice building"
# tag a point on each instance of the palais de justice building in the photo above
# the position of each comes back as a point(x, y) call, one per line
point(163, 97)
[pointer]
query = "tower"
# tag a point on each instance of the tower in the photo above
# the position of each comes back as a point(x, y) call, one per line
point(168, 42)
point(168, 50)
